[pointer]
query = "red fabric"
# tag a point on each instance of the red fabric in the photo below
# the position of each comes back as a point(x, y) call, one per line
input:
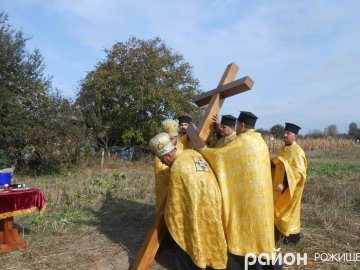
point(19, 200)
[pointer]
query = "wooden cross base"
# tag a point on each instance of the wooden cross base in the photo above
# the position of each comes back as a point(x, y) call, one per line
point(9, 237)
point(152, 241)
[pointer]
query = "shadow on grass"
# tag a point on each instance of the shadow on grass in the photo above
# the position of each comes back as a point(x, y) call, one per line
point(126, 223)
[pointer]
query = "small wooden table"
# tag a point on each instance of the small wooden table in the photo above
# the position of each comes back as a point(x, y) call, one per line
point(15, 202)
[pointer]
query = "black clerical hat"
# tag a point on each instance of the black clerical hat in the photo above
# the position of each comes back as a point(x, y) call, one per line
point(185, 119)
point(228, 120)
point(292, 128)
point(247, 118)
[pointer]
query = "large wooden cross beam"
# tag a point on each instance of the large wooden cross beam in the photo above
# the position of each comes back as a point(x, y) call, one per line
point(227, 87)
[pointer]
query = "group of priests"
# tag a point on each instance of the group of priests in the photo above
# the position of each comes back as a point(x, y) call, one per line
point(228, 201)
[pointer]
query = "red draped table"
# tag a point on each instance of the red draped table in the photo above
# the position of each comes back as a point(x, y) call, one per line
point(15, 202)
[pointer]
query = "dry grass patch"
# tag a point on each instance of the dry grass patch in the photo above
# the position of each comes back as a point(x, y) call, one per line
point(313, 144)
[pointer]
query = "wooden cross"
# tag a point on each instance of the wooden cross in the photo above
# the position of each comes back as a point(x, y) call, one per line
point(227, 87)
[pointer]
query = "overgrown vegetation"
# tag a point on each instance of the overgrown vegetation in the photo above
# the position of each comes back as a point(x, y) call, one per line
point(38, 133)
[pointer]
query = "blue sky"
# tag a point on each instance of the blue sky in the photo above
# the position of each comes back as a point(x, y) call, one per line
point(304, 56)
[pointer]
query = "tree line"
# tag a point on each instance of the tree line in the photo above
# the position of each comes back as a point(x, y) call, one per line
point(277, 132)
point(121, 101)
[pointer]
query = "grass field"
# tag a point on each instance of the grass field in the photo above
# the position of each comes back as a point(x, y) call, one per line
point(97, 218)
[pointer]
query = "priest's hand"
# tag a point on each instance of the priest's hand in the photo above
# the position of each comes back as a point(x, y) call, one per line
point(215, 123)
point(279, 188)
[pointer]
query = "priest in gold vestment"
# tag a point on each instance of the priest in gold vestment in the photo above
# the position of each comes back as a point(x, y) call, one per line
point(193, 207)
point(243, 171)
point(289, 178)
point(223, 132)
point(162, 171)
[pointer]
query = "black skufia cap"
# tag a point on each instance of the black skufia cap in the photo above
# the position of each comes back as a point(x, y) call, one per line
point(228, 120)
point(185, 119)
point(247, 118)
point(292, 128)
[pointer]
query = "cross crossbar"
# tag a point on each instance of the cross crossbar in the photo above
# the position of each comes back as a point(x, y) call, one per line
point(227, 90)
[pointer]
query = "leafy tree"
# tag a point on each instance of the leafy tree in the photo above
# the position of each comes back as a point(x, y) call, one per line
point(277, 131)
point(22, 89)
point(354, 131)
point(138, 84)
point(35, 131)
point(331, 130)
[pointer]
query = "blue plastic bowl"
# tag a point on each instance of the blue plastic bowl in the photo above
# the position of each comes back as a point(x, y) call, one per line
point(5, 178)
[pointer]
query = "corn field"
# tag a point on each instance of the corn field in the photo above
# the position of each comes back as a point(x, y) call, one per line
point(312, 144)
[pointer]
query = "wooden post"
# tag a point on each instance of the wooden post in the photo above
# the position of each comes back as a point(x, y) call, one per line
point(9, 237)
point(227, 87)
